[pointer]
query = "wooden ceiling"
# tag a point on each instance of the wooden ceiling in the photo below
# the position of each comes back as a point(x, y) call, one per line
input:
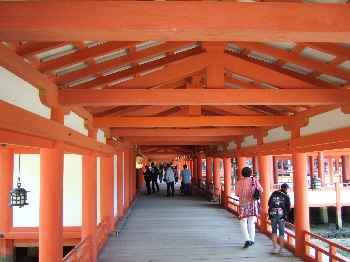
point(201, 66)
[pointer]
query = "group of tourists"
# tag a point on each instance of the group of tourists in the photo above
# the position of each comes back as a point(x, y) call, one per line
point(249, 190)
point(169, 175)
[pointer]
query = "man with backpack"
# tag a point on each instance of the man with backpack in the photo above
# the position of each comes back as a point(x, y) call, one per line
point(279, 208)
point(154, 173)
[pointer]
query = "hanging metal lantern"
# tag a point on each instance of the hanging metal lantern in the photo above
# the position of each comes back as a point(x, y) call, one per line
point(18, 196)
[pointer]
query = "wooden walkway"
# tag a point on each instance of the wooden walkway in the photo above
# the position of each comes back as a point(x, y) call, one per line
point(183, 229)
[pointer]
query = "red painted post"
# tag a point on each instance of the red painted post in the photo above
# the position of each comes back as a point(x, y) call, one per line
point(90, 201)
point(345, 160)
point(126, 179)
point(227, 178)
point(6, 185)
point(209, 172)
point(51, 198)
point(199, 170)
point(274, 170)
point(301, 208)
point(266, 168)
point(120, 182)
point(107, 190)
point(321, 168)
point(331, 171)
point(311, 166)
point(217, 179)
point(338, 206)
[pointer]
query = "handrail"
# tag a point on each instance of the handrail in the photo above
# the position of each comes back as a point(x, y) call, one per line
point(328, 249)
point(313, 251)
point(80, 252)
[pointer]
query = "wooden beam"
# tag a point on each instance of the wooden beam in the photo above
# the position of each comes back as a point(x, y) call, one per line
point(189, 121)
point(297, 59)
point(25, 123)
point(82, 55)
point(237, 63)
point(178, 140)
point(174, 21)
point(180, 97)
point(170, 73)
point(130, 58)
point(139, 68)
point(183, 132)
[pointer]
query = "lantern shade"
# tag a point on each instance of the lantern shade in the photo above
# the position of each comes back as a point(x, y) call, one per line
point(18, 196)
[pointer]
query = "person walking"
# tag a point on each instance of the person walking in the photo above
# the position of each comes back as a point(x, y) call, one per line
point(154, 174)
point(148, 177)
point(279, 208)
point(186, 180)
point(248, 208)
point(161, 171)
point(170, 180)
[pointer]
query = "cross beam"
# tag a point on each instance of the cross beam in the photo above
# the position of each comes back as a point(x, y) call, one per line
point(174, 21)
point(177, 97)
point(182, 132)
point(190, 121)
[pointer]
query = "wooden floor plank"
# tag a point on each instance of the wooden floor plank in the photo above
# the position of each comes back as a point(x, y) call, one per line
point(184, 229)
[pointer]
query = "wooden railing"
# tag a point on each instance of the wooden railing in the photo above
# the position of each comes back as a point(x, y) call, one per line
point(80, 253)
point(320, 249)
point(317, 248)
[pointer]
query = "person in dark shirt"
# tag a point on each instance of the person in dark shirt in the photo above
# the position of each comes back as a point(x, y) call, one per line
point(279, 208)
point(155, 173)
point(148, 177)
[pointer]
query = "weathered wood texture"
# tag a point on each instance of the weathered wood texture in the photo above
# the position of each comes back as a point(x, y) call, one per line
point(183, 229)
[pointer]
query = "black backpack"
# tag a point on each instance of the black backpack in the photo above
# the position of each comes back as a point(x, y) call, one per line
point(256, 193)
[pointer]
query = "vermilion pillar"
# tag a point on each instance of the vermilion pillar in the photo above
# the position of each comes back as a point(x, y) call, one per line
point(120, 183)
point(345, 160)
point(51, 199)
point(241, 165)
point(227, 178)
point(266, 169)
point(90, 201)
point(133, 174)
point(217, 179)
point(311, 165)
point(6, 178)
point(195, 172)
point(321, 168)
point(331, 171)
point(301, 208)
point(274, 170)
point(199, 170)
point(209, 171)
point(107, 190)
point(126, 166)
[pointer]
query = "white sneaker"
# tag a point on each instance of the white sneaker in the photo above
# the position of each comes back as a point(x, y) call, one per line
point(274, 251)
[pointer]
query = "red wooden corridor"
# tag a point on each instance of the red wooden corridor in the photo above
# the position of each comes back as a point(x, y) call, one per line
point(88, 88)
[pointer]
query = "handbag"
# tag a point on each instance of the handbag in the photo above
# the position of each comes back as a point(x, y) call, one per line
point(256, 193)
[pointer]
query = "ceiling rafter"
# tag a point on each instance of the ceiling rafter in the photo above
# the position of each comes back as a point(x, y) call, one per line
point(104, 80)
point(33, 48)
point(132, 57)
point(308, 82)
point(82, 55)
point(296, 59)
